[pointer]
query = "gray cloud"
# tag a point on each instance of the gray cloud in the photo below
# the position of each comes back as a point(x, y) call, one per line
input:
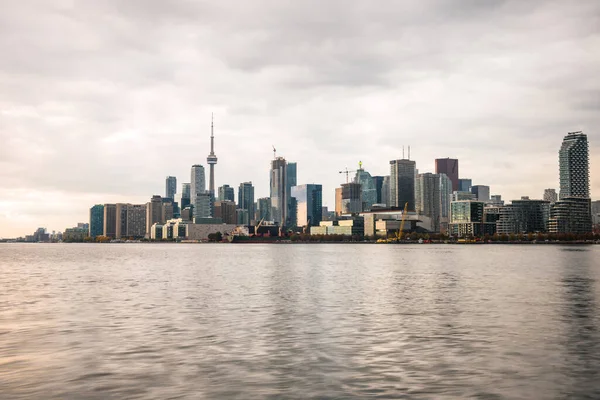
point(100, 100)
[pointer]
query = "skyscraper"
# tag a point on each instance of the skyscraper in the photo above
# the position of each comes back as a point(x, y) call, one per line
point(186, 190)
point(154, 211)
point(550, 195)
point(309, 203)
point(448, 166)
point(385, 191)
point(368, 188)
point(378, 181)
point(96, 220)
point(481, 192)
point(246, 201)
point(464, 185)
point(226, 193)
point(351, 198)
point(170, 187)
point(211, 160)
point(402, 183)
point(574, 166)
point(198, 184)
point(292, 180)
point(203, 207)
point(110, 220)
point(264, 209)
point(279, 191)
point(225, 209)
point(428, 200)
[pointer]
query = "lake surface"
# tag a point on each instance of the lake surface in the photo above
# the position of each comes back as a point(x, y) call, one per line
point(255, 321)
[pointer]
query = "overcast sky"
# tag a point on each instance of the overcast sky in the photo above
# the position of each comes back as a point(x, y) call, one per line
point(101, 100)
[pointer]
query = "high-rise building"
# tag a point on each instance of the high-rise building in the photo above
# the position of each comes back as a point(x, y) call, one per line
point(351, 198)
point(279, 191)
point(226, 210)
point(385, 191)
point(550, 195)
point(338, 201)
point(309, 204)
point(445, 200)
point(226, 193)
point(448, 166)
point(464, 185)
point(574, 166)
point(496, 200)
point(378, 181)
point(154, 213)
point(428, 199)
point(292, 180)
point(402, 183)
point(460, 196)
point(136, 220)
point(96, 220)
point(571, 215)
point(211, 160)
point(468, 219)
point(198, 184)
point(203, 207)
point(246, 201)
point(481, 192)
point(368, 188)
point(186, 190)
point(523, 216)
point(263, 209)
point(170, 187)
point(110, 220)
point(596, 214)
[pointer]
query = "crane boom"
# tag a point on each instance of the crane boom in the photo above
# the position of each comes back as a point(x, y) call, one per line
point(401, 230)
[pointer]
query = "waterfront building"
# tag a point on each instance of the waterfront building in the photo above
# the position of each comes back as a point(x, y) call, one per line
point(449, 167)
point(309, 203)
point(571, 215)
point(279, 192)
point(428, 199)
point(550, 195)
point(246, 201)
point(170, 187)
point(131, 221)
point(226, 193)
point(464, 185)
point(467, 219)
point(263, 209)
point(574, 166)
point(523, 216)
point(110, 220)
point(74, 234)
point(351, 201)
point(96, 220)
point(402, 183)
point(198, 184)
point(292, 180)
point(481, 192)
point(156, 231)
point(211, 160)
point(596, 214)
point(203, 208)
point(226, 210)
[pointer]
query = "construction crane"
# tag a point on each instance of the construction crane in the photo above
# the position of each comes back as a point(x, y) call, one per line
point(274, 152)
point(347, 172)
point(401, 230)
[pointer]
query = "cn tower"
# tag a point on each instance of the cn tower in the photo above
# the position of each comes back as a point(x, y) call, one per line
point(212, 159)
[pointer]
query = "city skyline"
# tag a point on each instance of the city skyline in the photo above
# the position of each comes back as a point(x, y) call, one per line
point(111, 137)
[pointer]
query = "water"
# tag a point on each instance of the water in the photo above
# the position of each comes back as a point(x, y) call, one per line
point(299, 321)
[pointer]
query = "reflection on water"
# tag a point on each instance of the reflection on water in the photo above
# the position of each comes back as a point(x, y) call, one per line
point(299, 321)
